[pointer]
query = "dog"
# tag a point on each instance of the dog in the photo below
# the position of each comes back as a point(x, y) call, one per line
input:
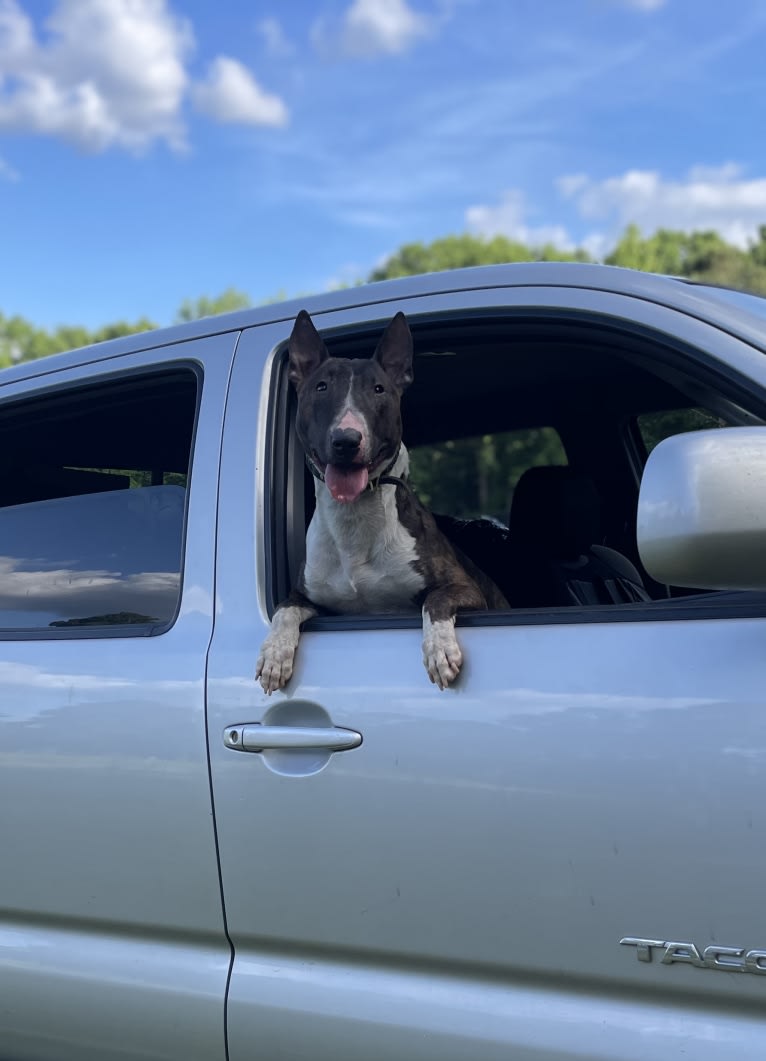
point(371, 546)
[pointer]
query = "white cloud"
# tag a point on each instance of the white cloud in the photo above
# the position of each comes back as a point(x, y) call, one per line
point(230, 93)
point(107, 72)
point(707, 198)
point(113, 73)
point(16, 33)
point(598, 245)
point(372, 27)
point(507, 218)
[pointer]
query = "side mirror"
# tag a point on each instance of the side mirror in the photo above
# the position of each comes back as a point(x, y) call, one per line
point(702, 510)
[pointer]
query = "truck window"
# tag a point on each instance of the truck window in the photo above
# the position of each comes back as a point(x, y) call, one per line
point(92, 503)
point(515, 426)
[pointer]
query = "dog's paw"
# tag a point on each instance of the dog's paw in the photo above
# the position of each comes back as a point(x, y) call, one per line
point(441, 652)
point(275, 664)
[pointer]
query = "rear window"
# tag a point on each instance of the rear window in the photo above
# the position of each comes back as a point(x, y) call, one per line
point(92, 506)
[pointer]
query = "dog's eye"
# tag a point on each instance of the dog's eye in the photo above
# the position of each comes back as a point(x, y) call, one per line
point(321, 386)
point(379, 388)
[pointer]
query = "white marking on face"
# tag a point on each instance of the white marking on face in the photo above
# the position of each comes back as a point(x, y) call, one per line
point(351, 418)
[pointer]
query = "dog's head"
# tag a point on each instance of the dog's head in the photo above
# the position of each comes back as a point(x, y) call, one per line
point(349, 421)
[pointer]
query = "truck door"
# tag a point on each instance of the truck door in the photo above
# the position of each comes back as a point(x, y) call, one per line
point(465, 874)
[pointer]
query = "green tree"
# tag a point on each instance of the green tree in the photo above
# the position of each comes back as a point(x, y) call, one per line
point(757, 249)
point(703, 256)
point(661, 253)
point(456, 252)
point(474, 477)
point(22, 341)
point(228, 300)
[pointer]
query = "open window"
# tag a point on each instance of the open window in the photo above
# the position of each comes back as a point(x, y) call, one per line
point(528, 433)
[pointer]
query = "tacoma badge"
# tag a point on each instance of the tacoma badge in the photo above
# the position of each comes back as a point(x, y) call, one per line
point(726, 959)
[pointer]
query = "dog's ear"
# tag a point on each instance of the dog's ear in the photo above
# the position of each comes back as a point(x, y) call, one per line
point(394, 352)
point(307, 350)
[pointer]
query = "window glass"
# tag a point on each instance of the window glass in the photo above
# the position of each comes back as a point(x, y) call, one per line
point(654, 427)
point(92, 502)
point(475, 477)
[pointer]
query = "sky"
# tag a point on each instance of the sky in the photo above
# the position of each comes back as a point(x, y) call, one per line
point(153, 151)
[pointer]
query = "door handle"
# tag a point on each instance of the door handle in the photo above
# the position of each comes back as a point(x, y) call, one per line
point(255, 737)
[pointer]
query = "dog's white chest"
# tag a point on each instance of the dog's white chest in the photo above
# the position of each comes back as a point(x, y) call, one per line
point(360, 558)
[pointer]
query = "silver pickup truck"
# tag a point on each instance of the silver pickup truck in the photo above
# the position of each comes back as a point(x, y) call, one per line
point(561, 856)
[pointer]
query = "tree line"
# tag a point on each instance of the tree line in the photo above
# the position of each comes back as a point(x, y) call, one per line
point(703, 256)
point(20, 340)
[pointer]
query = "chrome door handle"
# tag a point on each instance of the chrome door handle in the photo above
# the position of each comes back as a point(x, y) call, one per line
point(254, 737)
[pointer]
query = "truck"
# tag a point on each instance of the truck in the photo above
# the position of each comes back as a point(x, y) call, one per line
point(560, 856)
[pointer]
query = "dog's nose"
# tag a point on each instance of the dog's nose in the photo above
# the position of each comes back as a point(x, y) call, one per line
point(345, 443)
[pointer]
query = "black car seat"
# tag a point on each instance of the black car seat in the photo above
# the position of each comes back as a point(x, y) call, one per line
point(553, 535)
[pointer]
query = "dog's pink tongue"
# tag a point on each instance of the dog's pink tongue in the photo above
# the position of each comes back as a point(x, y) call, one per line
point(346, 484)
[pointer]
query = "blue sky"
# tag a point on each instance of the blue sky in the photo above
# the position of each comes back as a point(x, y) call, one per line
point(157, 150)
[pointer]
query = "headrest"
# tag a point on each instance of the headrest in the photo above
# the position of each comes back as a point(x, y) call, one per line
point(557, 511)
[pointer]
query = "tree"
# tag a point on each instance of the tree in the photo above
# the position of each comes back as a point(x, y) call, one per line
point(22, 341)
point(455, 252)
point(757, 250)
point(228, 300)
point(703, 256)
point(473, 477)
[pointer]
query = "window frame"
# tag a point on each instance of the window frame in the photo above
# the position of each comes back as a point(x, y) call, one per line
point(676, 356)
